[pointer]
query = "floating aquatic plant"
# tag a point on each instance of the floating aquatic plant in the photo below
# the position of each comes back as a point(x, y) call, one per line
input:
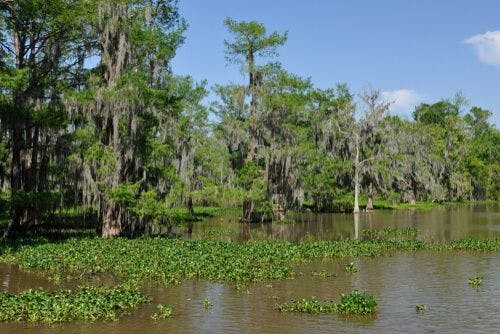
point(421, 308)
point(168, 261)
point(389, 232)
point(163, 312)
point(351, 268)
point(355, 302)
point(207, 304)
point(89, 303)
point(476, 281)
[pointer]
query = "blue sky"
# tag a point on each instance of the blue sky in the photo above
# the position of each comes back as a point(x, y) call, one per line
point(414, 51)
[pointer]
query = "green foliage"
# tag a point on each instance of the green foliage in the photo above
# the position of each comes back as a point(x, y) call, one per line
point(254, 185)
point(354, 303)
point(421, 308)
point(389, 232)
point(357, 302)
point(250, 37)
point(40, 201)
point(124, 193)
point(89, 304)
point(164, 312)
point(136, 136)
point(351, 268)
point(150, 206)
point(311, 306)
point(475, 281)
point(436, 113)
point(207, 304)
point(167, 261)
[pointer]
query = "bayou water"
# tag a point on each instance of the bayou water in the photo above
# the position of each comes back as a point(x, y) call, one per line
point(399, 282)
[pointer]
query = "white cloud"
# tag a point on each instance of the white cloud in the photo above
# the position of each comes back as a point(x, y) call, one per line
point(403, 100)
point(487, 46)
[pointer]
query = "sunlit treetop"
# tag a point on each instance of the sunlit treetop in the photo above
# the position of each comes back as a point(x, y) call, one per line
point(249, 39)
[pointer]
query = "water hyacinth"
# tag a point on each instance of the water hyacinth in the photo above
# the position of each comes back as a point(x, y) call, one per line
point(421, 308)
point(164, 312)
point(353, 303)
point(89, 304)
point(357, 302)
point(168, 261)
point(475, 281)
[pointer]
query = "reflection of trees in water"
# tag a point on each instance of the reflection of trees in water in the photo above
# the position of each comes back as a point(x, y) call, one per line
point(307, 227)
point(442, 224)
point(356, 225)
point(6, 277)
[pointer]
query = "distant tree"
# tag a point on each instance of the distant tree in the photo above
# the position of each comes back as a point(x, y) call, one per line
point(249, 41)
point(367, 152)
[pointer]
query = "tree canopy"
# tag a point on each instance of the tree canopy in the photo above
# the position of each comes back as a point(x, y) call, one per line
point(131, 141)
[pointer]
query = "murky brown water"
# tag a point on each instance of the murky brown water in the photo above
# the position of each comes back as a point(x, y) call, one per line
point(399, 282)
point(441, 224)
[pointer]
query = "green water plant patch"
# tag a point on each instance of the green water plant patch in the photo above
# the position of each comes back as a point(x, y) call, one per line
point(355, 302)
point(166, 261)
point(389, 232)
point(475, 281)
point(89, 304)
point(207, 304)
point(163, 312)
point(351, 268)
point(420, 308)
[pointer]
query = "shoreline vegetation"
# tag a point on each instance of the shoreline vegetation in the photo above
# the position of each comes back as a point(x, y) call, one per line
point(94, 115)
point(104, 149)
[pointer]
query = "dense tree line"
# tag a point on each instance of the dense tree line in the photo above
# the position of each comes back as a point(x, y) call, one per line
point(93, 116)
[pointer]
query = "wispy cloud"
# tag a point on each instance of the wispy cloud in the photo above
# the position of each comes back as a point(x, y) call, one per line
point(403, 100)
point(487, 46)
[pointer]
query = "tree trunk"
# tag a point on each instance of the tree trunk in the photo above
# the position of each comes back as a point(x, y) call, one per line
point(369, 203)
point(190, 205)
point(356, 178)
point(111, 221)
point(115, 59)
point(248, 207)
point(252, 131)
